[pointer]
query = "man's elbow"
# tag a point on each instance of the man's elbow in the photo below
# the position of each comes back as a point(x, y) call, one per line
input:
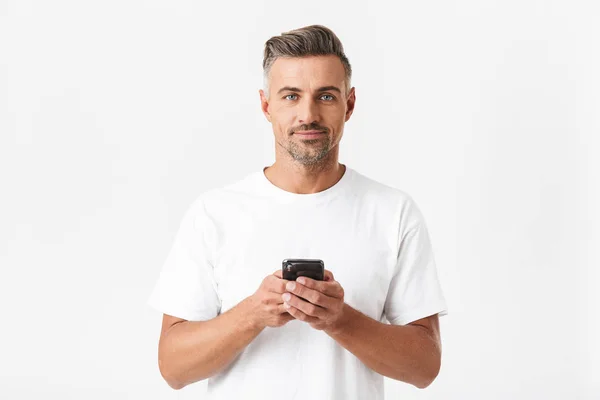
point(174, 385)
point(429, 376)
point(169, 378)
point(424, 383)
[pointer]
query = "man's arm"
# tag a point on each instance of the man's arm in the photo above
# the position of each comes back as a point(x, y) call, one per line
point(190, 351)
point(410, 353)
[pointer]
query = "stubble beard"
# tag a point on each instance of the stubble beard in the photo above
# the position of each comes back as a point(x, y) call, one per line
point(311, 151)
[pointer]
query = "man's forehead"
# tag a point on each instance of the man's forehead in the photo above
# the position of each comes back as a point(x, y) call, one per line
point(314, 70)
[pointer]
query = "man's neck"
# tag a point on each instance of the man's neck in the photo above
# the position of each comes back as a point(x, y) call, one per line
point(296, 178)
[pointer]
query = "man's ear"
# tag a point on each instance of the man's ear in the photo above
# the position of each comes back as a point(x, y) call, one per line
point(264, 104)
point(350, 101)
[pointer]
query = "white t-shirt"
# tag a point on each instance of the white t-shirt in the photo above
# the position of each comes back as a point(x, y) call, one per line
point(371, 236)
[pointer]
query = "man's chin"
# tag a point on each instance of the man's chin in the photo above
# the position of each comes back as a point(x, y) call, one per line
point(309, 159)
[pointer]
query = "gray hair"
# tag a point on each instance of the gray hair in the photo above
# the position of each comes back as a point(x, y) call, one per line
point(313, 40)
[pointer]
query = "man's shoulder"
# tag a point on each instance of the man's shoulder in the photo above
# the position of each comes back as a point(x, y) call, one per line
point(389, 200)
point(374, 189)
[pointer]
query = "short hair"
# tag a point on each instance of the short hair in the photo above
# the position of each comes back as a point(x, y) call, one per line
point(313, 40)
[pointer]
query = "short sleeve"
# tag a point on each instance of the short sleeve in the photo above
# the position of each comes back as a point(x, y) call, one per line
point(415, 291)
point(186, 287)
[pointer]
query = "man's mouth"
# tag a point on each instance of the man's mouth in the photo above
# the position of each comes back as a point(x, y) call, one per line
point(309, 134)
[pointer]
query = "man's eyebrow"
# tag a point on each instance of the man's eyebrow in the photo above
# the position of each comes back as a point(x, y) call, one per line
point(329, 89)
point(289, 89)
point(321, 89)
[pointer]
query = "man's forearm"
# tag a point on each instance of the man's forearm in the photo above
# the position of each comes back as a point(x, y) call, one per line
point(195, 350)
point(406, 353)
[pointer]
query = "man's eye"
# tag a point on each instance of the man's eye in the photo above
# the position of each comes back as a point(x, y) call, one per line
point(286, 97)
point(327, 95)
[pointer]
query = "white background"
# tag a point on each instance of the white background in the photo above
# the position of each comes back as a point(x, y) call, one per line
point(115, 115)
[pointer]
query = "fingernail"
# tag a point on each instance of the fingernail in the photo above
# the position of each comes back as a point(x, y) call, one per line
point(290, 286)
point(286, 296)
point(301, 281)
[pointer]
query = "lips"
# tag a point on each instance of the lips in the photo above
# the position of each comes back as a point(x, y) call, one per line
point(309, 135)
point(308, 132)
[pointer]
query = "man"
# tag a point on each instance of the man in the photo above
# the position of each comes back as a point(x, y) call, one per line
point(230, 317)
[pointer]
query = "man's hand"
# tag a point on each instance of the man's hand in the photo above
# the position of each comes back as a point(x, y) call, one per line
point(320, 303)
point(266, 305)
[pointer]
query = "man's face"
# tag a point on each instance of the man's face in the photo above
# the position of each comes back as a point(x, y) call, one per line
point(308, 105)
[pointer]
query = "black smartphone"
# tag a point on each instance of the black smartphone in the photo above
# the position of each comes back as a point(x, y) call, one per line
point(293, 268)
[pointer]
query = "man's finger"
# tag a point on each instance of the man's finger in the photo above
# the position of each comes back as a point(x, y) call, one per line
point(311, 295)
point(278, 274)
point(282, 308)
point(297, 314)
point(307, 307)
point(331, 289)
point(276, 284)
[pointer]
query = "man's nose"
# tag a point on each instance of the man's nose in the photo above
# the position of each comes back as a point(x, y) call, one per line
point(308, 112)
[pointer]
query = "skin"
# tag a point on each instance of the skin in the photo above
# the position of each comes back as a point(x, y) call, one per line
point(410, 353)
point(307, 165)
point(190, 351)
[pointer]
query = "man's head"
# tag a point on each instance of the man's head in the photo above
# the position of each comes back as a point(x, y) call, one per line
point(307, 88)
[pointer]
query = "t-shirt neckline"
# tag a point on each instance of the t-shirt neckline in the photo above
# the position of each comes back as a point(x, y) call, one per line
point(305, 198)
